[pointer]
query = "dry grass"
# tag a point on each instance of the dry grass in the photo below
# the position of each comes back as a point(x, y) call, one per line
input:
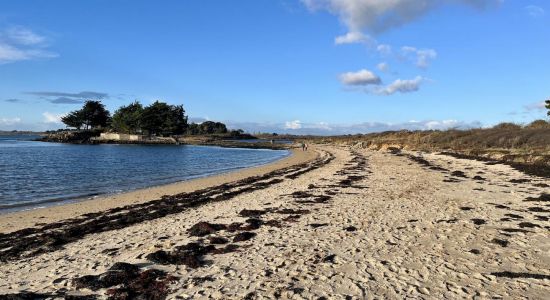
point(507, 141)
point(524, 139)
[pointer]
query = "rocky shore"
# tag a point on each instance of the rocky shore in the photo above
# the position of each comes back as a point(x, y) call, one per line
point(351, 224)
point(93, 138)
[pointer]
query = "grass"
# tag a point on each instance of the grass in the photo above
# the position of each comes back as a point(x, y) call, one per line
point(506, 141)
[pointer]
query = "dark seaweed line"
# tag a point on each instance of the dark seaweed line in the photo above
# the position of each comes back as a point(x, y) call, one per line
point(29, 242)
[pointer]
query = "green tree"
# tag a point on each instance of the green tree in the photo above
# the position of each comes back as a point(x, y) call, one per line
point(73, 119)
point(127, 119)
point(160, 118)
point(207, 127)
point(94, 115)
point(548, 106)
point(193, 129)
point(210, 127)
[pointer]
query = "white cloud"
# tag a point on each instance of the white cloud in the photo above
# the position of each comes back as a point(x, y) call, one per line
point(296, 124)
point(360, 78)
point(535, 11)
point(9, 121)
point(384, 49)
point(422, 57)
point(445, 124)
point(401, 86)
point(52, 117)
point(19, 44)
point(354, 38)
point(377, 16)
point(384, 67)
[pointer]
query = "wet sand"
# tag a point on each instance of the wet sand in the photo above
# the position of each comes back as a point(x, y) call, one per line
point(350, 224)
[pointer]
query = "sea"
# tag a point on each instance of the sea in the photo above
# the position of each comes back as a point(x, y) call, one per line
point(37, 174)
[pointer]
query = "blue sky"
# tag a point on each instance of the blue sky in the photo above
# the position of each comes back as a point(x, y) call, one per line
point(298, 66)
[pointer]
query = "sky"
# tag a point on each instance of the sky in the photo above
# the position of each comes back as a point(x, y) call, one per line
point(286, 66)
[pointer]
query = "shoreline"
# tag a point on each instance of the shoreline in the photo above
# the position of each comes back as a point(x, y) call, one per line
point(13, 221)
point(351, 222)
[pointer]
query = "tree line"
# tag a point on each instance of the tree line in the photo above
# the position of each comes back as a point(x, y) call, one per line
point(158, 118)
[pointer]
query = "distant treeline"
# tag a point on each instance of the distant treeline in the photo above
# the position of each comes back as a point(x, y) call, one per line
point(158, 118)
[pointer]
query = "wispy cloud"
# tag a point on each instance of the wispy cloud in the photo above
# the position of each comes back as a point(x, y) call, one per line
point(24, 36)
point(18, 44)
point(65, 100)
point(384, 49)
point(86, 94)
point(354, 38)
point(69, 98)
point(10, 121)
point(13, 100)
point(531, 110)
point(52, 117)
point(384, 67)
point(535, 11)
point(421, 57)
point(535, 106)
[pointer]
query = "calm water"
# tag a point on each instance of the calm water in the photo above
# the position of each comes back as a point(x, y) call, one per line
point(36, 174)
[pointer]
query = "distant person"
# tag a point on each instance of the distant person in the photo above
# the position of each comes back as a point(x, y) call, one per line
point(305, 146)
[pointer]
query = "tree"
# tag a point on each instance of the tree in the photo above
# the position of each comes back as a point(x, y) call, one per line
point(193, 129)
point(160, 118)
point(73, 119)
point(548, 106)
point(210, 127)
point(127, 119)
point(94, 114)
point(207, 127)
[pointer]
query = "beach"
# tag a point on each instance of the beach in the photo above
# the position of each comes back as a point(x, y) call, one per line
point(335, 222)
point(19, 220)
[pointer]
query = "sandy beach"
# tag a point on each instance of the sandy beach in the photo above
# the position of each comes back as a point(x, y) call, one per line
point(330, 223)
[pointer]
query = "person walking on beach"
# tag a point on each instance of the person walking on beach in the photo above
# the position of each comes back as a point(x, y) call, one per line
point(303, 145)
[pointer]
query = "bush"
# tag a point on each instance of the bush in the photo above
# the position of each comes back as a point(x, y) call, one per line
point(537, 124)
point(507, 126)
